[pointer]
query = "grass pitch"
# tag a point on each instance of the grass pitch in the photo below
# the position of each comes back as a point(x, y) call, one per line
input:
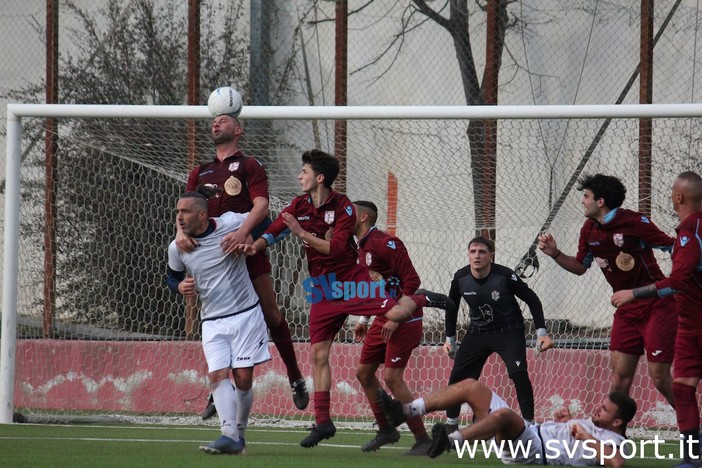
point(35, 445)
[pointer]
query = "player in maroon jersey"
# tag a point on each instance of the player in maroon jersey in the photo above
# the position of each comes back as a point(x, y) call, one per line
point(238, 183)
point(686, 282)
point(387, 342)
point(620, 243)
point(324, 220)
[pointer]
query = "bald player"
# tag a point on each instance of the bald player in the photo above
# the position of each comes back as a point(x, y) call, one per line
point(685, 282)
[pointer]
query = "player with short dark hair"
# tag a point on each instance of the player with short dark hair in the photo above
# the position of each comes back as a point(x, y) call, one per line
point(685, 282)
point(238, 183)
point(496, 323)
point(387, 342)
point(557, 442)
point(233, 330)
point(324, 220)
point(621, 242)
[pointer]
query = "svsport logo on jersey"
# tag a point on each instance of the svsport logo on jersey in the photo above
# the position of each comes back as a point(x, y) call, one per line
point(328, 287)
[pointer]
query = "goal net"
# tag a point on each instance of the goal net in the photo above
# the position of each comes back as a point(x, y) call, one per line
point(90, 329)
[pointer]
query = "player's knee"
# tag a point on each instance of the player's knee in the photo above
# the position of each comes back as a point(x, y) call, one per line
point(217, 376)
point(392, 381)
point(467, 385)
point(364, 376)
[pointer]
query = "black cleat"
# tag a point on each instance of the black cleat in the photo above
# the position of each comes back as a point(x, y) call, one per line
point(210, 410)
point(300, 396)
point(420, 447)
point(391, 407)
point(318, 434)
point(386, 436)
point(439, 441)
point(438, 300)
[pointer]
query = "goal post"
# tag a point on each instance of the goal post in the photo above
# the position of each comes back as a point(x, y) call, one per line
point(126, 163)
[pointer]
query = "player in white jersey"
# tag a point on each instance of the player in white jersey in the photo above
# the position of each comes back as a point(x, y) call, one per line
point(234, 333)
point(564, 441)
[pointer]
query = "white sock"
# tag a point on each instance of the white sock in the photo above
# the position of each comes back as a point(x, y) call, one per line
point(225, 401)
point(244, 399)
point(455, 437)
point(416, 408)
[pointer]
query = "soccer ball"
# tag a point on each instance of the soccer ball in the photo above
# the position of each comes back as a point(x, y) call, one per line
point(225, 100)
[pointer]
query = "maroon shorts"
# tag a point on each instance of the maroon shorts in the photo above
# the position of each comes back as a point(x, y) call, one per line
point(258, 264)
point(650, 328)
point(398, 350)
point(688, 356)
point(327, 317)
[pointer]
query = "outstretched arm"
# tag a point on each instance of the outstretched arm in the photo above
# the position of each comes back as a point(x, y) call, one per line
point(547, 244)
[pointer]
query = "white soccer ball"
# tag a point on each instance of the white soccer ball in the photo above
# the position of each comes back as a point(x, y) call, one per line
point(225, 100)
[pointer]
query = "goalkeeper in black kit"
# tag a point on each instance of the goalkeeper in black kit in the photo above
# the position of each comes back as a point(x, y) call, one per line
point(496, 324)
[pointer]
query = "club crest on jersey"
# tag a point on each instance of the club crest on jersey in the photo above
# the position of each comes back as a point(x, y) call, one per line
point(645, 219)
point(495, 295)
point(369, 258)
point(391, 244)
point(618, 239)
point(328, 217)
point(234, 166)
point(349, 210)
point(684, 240)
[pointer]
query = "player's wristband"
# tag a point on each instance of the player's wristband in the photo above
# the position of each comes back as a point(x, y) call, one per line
point(364, 320)
point(644, 292)
point(541, 332)
point(558, 254)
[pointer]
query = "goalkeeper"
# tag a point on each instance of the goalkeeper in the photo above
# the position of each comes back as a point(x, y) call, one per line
point(496, 324)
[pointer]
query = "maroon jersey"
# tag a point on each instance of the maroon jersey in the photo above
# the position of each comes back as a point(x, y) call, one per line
point(240, 178)
point(335, 217)
point(622, 248)
point(386, 256)
point(686, 278)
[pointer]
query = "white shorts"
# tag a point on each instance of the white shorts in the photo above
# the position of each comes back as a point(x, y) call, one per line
point(238, 341)
point(528, 438)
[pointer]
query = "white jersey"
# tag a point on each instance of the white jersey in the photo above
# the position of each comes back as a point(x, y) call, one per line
point(561, 448)
point(221, 280)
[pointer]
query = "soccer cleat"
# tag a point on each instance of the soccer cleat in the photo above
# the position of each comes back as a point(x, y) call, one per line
point(386, 436)
point(391, 407)
point(225, 445)
point(420, 447)
point(439, 441)
point(300, 396)
point(438, 300)
point(210, 410)
point(318, 434)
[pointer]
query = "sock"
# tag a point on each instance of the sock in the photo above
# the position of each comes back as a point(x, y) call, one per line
point(416, 408)
point(225, 401)
point(688, 416)
point(244, 401)
point(379, 414)
point(525, 394)
point(416, 425)
point(455, 437)
point(419, 299)
point(283, 342)
point(321, 407)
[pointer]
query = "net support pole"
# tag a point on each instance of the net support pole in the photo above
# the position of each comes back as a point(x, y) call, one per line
point(9, 281)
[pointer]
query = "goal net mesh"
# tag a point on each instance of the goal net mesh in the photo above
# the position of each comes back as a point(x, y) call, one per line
point(118, 343)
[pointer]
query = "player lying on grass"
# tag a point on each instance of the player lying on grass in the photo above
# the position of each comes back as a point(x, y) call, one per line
point(563, 441)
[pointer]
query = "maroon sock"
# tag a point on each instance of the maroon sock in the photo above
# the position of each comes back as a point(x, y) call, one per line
point(283, 342)
point(380, 417)
point(419, 299)
point(321, 407)
point(417, 427)
point(686, 407)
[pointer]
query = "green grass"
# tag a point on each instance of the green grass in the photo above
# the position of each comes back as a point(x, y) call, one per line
point(30, 445)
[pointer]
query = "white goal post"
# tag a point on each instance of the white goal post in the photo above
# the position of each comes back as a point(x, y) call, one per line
point(535, 162)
